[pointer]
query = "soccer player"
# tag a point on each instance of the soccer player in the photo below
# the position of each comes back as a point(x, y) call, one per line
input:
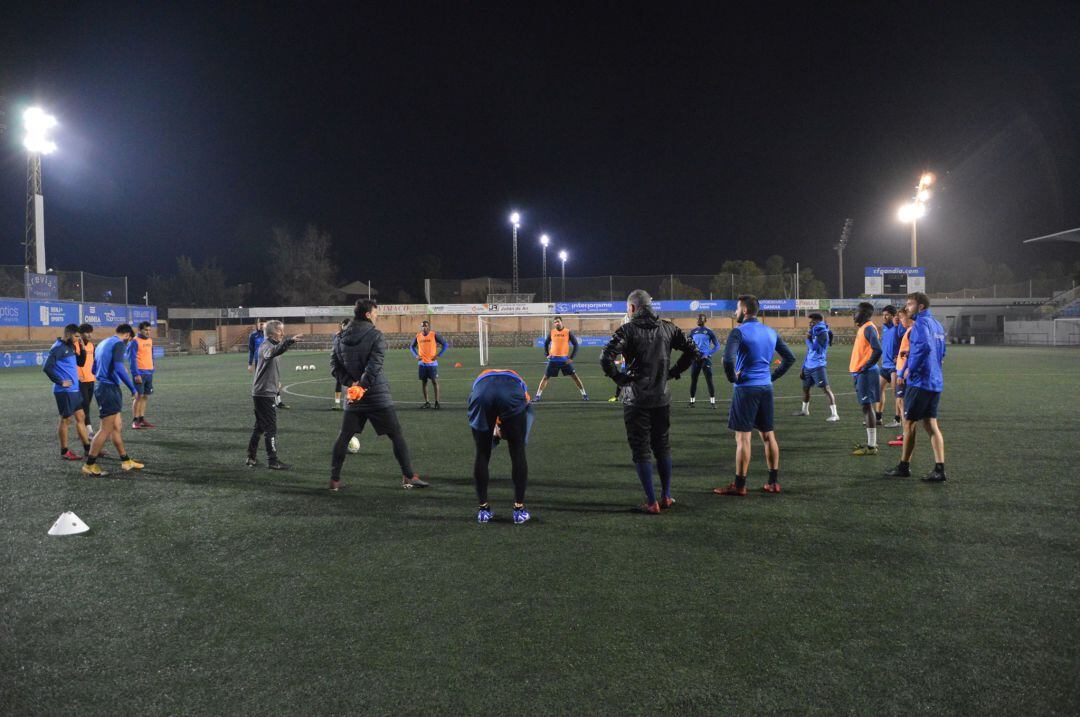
point(337, 384)
point(923, 383)
point(62, 367)
point(901, 359)
point(141, 359)
point(707, 344)
point(646, 342)
point(357, 363)
point(255, 339)
point(863, 367)
point(819, 338)
point(427, 358)
point(85, 344)
point(748, 357)
point(499, 409)
point(264, 394)
point(109, 375)
point(560, 348)
point(891, 331)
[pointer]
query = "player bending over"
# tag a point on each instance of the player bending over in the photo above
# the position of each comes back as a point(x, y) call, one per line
point(62, 366)
point(748, 365)
point(560, 348)
point(818, 340)
point(427, 347)
point(864, 371)
point(707, 344)
point(646, 343)
point(109, 375)
point(923, 382)
point(141, 359)
point(891, 332)
point(499, 409)
point(264, 395)
point(357, 364)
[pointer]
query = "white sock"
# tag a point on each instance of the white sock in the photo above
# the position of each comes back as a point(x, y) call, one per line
point(806, 407)
point(337, 401)
point(583, 392)
point(692, 399)
point(539, 393)
point(871, 437)
point(712, 399)
point(832, 409)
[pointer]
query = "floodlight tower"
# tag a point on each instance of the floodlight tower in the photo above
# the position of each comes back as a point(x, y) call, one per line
point(544, 241)
point(37, 143)
point(916, 210)
point(845, 237)
point(515, 221)
point(563, 256)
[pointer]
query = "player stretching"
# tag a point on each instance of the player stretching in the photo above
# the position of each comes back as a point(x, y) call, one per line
point(499, 409)
point(560, 348)
point(818, 340)
point(141, 358)
point(110, 374)
point(748, 365)
point(427, 358)
point(901, 360)
point(707, 344)
point(84, 344)
point(891, 331)
point(863, 366)
point(646, 343)
point(923, 382)
point(264, 394)
point(357, 363)
point(62, 367)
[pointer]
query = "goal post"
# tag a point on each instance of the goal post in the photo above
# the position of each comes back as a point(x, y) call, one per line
point(1066, 332)
point(529, 329)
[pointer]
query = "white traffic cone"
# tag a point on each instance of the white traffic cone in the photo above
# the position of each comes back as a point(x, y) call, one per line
point(68, 524)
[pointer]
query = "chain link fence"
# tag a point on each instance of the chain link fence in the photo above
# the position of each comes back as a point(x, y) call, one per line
point(1016, 290)
point(73, 285)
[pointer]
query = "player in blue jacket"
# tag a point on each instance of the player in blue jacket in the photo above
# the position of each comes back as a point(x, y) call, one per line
point(891, 333)
point(707, 344)
point(819, 338)
point(111, 373)
point(923, 382)
point(62, 367)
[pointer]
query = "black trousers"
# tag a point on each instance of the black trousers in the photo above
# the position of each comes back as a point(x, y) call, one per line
point(696, 368)
point(647, 432)
point(385, 423)
point(265, 426)
point(86, 390)
point(513, 431)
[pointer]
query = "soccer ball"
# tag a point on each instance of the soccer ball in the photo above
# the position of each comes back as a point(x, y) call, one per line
point(299, 368)
point(311, 368)
point(354, 445)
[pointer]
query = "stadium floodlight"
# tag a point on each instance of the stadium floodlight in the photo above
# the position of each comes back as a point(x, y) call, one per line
point(915, 210)
point(911, 212)
point(515, 221)
point(545, 240)
point(926, 180)
point(38, 123)
point(923, 195)
point(563, 256)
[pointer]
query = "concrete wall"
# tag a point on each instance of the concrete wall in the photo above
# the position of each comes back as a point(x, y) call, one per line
point(1042, 333)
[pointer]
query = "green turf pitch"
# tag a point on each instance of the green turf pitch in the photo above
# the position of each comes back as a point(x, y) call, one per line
point(208, 588)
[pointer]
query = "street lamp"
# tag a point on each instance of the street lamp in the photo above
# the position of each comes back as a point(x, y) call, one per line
point(37, 123)
point(915, 210)
point(515, 220)
point(562, 257)
point(544, 241)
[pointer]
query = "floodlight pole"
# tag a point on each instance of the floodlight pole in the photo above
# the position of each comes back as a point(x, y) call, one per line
point(563, 278)
point(515, 281)
point(914, 245)
point(34, 236)
point(845, 237)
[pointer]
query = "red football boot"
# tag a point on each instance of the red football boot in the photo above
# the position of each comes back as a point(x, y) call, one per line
point(69, 456)
point(648, 508)
point(771, 487)
point(897, 442)
point(666, 503)
point(730, 489)
point(146, 424)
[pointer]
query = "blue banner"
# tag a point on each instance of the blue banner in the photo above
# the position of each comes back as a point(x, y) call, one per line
point(159, 352)
point(53, 313)
point(583, 340)
point(19, 359)
point(143, 313)
point(43, 287)
point(105, 314)
point(13, 312)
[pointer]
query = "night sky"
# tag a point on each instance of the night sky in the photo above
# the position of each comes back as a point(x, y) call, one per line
point(643, 142)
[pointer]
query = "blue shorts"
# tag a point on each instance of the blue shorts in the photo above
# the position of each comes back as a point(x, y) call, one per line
point(498, 397)
point(815, 377)
point(887, 373)
point(868, 387)
point(751, 407)
point(67, 403)
point(109, 399)
point(556, 367)
point(147, 386)
point(920, 403)
point(428, 372)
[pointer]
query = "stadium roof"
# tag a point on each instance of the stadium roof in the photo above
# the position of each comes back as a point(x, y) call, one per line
point(1072, 235)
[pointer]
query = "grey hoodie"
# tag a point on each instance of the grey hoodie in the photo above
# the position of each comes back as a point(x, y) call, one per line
point(267, 375)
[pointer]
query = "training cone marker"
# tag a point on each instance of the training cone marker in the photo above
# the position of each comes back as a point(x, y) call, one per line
point(457, 365)
point(68, 524)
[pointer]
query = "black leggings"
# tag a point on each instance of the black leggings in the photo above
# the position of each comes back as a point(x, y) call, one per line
point(695, 369)
point(513, 431)
point(353, 422)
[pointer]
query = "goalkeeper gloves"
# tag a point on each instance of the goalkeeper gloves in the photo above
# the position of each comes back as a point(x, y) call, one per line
point(355, 393)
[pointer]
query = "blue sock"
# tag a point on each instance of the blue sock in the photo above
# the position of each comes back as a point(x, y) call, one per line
point(663, 466)
point(644, 474)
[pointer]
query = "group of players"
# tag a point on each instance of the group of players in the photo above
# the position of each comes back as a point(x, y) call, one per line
point(906, 353)
point(82, 373)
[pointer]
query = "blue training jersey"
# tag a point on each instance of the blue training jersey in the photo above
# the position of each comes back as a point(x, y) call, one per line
point(62, 365)
point(749, 351)
point(705, 339)
point(255, 339)
point(817, 346)
point(890, 343)
point(926, 353)
point(110, 363)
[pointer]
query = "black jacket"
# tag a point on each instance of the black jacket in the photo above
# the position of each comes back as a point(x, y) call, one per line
point(646, 343)
point(358, 356)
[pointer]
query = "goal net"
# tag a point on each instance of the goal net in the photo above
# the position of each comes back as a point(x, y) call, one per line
point(530, 330)
point(1066, 332)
